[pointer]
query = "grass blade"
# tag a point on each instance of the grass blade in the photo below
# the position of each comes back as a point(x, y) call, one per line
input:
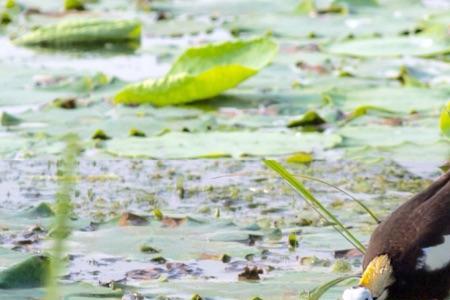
point(360, 203)
point(316, 204)
point(318, 292)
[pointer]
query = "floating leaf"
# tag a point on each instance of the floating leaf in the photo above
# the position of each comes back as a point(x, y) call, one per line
point(149, 249)
point(300, 158)
point(293, 240)
point(306, 7)
point(74, 5)
point(100, 135)
point(237, 144)
point(444, 121)
point(5, 18)
point(202, 72)
point(334, 6)
point(9, 120)
point(404, 100)
point(341, 266)
point(365, 109)
point(392, 46)
point(375, 135)
point(136, 132)
point(32, 272)
point(250, 274)
point(79, 32)
point(422, 45)
point(43, 210)
point(408, 77)
point(10, 3)
point(310, 118)
point(158, 214)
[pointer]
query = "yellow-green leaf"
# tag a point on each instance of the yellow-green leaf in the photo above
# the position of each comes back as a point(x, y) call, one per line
point(82, 31)
point(445, 120)
point(300, 158)
point(202, 72)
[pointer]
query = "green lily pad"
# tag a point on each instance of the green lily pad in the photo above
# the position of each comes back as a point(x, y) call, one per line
point(236, 144)
point(392, 46)
point(202, 72)
point(420, 159)
point(382, 135)
point(391, 99)
point(84, 31)
point(186, 241)
point(74, 291)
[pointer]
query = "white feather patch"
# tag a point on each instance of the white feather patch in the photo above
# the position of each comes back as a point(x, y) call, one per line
point(436, 257)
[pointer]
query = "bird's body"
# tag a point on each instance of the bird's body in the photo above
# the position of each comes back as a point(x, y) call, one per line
point(408, 257)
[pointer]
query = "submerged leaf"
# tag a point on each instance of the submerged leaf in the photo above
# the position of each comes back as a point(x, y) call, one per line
point(202, 72)
point(88, 31)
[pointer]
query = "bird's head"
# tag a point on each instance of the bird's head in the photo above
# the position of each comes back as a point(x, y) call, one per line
point(374, 283)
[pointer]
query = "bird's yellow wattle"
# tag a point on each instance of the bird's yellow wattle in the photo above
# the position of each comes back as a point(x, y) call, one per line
point(378, 275)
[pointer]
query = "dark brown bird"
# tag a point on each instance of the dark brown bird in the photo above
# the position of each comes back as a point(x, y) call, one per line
point(408, 257)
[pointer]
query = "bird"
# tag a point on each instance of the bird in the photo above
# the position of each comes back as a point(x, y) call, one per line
point(408, 256)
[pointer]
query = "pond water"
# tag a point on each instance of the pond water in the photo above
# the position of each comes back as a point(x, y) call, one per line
point(375, 73)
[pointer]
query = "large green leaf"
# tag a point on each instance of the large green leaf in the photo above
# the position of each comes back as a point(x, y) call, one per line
point(83, 31)
point(203, 72)
point(445, 120)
